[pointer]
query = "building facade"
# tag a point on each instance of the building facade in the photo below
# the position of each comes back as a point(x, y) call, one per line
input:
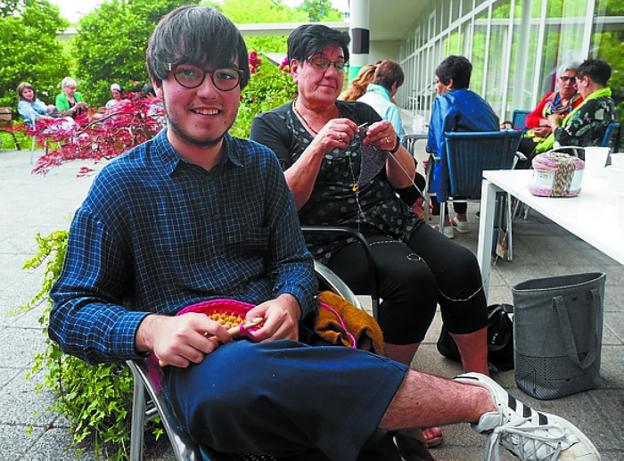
point(515, 46)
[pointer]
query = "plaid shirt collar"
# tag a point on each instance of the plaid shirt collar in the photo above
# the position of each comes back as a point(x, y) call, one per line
point(171, 159)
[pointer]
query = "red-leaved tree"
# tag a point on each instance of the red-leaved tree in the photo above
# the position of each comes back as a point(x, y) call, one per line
point(98, 136)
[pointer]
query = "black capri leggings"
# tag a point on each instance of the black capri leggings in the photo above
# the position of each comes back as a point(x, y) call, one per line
point(413, 277)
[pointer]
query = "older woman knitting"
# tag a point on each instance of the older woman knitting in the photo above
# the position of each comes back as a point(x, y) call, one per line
point(69, 101)
point(323, 144)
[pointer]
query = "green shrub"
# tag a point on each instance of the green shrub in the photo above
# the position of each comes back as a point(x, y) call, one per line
point(30, 50)
point(268, 88)
point(97, 399)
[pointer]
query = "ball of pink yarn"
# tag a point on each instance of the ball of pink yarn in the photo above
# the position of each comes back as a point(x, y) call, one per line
point(556, 174)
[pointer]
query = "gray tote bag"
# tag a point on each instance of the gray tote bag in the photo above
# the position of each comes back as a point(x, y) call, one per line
point(558, 334)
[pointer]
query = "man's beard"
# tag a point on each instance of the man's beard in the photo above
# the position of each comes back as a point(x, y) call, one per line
point(189, 139)
point(194, 141)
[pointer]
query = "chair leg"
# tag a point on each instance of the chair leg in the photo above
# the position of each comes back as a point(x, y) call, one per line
point(442, 215)
point(509, 229)
point(137, 427)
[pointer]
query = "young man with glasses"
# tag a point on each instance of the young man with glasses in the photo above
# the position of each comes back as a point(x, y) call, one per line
point(195, 214)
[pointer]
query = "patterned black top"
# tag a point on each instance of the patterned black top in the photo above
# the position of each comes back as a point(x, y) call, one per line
point(373, 208)
point(587, 127)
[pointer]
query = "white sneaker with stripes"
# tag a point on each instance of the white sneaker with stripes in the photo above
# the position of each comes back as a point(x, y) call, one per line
point(529, 434)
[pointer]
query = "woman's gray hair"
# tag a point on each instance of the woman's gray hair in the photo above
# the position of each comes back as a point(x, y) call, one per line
point(68, 81)
point(572, 65)
point(196, 35)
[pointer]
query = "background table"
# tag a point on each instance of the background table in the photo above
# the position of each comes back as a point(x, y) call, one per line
point(592, 216)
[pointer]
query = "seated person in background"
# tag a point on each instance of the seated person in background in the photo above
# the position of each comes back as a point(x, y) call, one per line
point(559, 102)
point(274, 396)
point(387, 79)
point(322, 150)
point(586, 124)
point(69, 101)
point(359, 84)
point(380, 92)
point(455, 108)
point(117, 99)
point(147, 92)
point(31, 108)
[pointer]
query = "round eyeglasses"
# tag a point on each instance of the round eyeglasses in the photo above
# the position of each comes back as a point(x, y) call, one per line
point(323, 64)
point(190, 76)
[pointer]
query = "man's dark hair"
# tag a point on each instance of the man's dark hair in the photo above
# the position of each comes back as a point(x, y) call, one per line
point(310, 39)
point(457, 68)
point(599, 71)
point(196, 35)
point(387, 73)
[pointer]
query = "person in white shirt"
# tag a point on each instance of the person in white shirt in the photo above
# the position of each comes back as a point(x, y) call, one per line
point(388, 78)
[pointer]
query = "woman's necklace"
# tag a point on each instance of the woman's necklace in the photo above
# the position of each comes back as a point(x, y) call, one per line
point(302, 118)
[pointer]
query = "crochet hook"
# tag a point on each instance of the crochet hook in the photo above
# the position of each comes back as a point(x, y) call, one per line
point(235, 331)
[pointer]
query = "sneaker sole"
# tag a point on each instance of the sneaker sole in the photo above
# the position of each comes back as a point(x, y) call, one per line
point(584, 450)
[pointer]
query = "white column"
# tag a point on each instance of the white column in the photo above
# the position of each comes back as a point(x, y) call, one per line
point(360, 35)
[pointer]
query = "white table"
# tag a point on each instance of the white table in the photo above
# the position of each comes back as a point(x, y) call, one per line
point(591, 216)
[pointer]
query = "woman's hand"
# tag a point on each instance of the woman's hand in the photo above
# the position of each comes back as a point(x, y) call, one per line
point(542, 131)
point(554, 120)
point(337, 133)
point(382, 135)
point(281, 318)
point(181, 340)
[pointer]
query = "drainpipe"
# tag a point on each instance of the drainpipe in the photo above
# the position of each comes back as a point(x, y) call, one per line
point(360, 35)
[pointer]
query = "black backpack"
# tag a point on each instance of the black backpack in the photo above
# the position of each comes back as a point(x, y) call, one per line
point(500, 339)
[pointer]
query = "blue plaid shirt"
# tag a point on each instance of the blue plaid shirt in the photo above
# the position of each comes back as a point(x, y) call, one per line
point(156, 234)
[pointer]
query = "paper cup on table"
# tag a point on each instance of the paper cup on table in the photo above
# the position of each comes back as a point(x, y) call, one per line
point(595, 160)
point(617, 160)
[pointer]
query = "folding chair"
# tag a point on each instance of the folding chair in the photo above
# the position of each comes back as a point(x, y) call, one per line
point(466, 156)
point(518, 118)
point(149, 400)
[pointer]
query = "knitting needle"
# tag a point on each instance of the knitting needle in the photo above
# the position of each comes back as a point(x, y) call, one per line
point(234, 331)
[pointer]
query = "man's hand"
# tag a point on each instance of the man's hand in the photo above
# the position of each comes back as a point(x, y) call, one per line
point(281, 318)
point(182, 340)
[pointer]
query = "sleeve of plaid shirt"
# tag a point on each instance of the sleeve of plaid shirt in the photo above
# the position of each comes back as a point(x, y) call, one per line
point(292, 266)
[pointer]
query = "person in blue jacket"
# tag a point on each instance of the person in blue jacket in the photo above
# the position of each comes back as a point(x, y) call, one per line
point(456, 108)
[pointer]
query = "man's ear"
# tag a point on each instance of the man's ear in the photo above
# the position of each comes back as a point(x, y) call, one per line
point(158, 89)
point(450, 84)
point(394, 88)
point(294, 68)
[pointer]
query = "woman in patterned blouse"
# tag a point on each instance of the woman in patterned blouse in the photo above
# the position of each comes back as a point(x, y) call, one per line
point(344, 166)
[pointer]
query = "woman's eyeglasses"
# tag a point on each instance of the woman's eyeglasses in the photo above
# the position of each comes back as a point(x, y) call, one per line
point(190, 76)
point(323, 64)
point(567, 79)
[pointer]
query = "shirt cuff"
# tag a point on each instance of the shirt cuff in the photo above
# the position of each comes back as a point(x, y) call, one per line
point(125, 334)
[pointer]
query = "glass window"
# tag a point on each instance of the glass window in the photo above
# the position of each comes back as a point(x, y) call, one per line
point(455, 9)
point(498, 49)
point(606, 44)
point(479, 51)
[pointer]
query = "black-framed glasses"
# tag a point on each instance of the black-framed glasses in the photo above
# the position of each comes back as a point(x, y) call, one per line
point(323, 64)
point(567, 79)
point(191, 76)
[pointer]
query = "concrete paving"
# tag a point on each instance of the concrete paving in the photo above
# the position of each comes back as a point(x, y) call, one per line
point(30, 204)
